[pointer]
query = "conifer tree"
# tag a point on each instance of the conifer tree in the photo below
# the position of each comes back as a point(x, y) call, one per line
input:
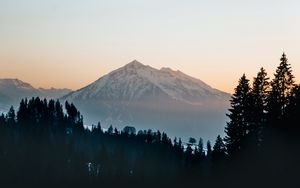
point(293, 109)
point(11, 116)
point(258, 104)
point(175, 143)
point(208, 148)
point(110, 130)
point(281, 87)
point(180, 146)
point(22, 112)
point(200, 147)
point(238, 126)
point(219, 149)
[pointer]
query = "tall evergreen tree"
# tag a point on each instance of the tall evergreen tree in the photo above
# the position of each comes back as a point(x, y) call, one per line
point(281, 87)
point(238, 126)
point(258, 104)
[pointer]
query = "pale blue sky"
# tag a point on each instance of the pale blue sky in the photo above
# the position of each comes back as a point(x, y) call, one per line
point(70, 43)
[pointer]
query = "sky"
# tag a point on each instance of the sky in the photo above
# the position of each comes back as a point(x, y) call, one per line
point(71, 43)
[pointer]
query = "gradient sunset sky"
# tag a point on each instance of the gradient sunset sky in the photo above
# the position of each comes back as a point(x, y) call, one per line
point(71, 43)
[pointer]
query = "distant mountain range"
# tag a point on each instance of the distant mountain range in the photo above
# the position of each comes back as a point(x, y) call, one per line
point(146, 97)
point(13, 90)
point(140, 96)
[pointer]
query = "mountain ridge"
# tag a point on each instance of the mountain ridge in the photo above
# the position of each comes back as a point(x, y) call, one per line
point(12, 90)
point(146, 97)
point(165, 79)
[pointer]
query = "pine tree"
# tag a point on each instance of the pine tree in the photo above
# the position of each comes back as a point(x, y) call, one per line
point(219, 149)
point(238, 126)
point(110, 130)
point(11, 116)
point(281, 87)
point(175, 143)
point(73, 114)
point(293, 109)
point(158, 135)
point(116, 132)
point(208, 149)
point(180, 146)
point(200, 147)
point(258, 104)
point(59, 114)
point(22, 112)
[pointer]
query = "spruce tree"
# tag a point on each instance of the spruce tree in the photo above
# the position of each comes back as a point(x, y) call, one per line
point(293, 109)
point(219, 149)
point(200, 147)
point(11, 116)
point(258, 104)
point(180, 146)
point(208, 148)
point(110, 130)
point(238, 126)
point(281, 87)
point(22, 112)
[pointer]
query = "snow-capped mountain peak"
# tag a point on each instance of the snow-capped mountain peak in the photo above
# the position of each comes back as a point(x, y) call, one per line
point(16, 83)
point(136, 81)
point(146, 97)
point(135, 64)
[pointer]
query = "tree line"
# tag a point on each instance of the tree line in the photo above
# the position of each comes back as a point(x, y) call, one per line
point(45, 143)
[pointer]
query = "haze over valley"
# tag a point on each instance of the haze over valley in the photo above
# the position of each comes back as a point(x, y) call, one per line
point(141, 96)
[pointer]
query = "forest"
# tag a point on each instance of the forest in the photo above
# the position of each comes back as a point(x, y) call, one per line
point(45, 144)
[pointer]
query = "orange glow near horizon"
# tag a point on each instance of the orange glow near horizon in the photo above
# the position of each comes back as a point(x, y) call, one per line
point(75, 75)
point(65, 44)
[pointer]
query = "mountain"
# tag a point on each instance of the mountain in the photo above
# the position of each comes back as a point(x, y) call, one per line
point(136, 81)
point(53, 93)
point(13, 90)
point(146, 97)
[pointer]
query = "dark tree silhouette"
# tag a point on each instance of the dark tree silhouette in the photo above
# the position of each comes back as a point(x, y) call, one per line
point(258, 106)
point(240, 114)
point(201, 148)
point(293, 108)
point(11, 116)
point(281, 87)
point(192, 141)
point(219, 149)
point(208, 149)
point(110, 130)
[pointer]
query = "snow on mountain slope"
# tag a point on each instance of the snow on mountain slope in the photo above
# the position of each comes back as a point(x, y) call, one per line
point(135, 81)
point(13, 90)
point(146, 97)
